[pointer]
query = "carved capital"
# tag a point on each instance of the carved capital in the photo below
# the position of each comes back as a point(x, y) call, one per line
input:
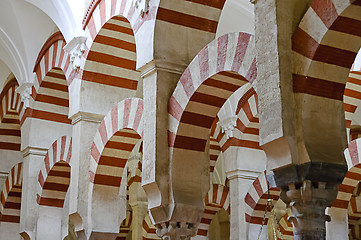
point(142, 6)
point(25, 91)
point(228, 125)
point(176, 230)
point(308, 201)
point(75, 48)
point(133, 162)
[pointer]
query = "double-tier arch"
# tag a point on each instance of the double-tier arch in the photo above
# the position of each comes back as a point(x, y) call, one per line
point(11, 195)
point(50, 95)
point(10, 129)
point(112, 54)
point(218, 197)
point(53, 183)
point(220, 68)
point(115, 139)
point(324, 46)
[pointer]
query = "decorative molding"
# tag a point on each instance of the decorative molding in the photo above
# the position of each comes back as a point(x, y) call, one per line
point(142, 6)
point(25, 91)
point(253, 1)
point(75, 48)
point(228, 125)
point(3, 175)
point(244, 174)
point(84, 116)
point(34, 151)
point(133, 164)
point(159, 65)
point(51, 40)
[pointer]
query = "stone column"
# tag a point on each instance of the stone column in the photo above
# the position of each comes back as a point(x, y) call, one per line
point(159, 80)
point(224, 229)
point(49, 223)
point(308, 202)
point(175, 217)
point(239, 183)
point(140, 209)
point(242, 166)
point(338, 227)
point(137, 197)
point(83, 132)
point(9, 231)
point(33, 158)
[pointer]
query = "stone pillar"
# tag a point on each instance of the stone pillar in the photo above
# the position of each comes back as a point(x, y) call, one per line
point(159, 80)
point(239, 183)
point(137, 198)
point(174, 216)
point(33, 158)
point(224, 229)
point(309, 189)
point(338, 227)
point(308, 201)
point(140, 209)
point(84, 128)
point(242, 166)
point(9, 231)
point(49, 223)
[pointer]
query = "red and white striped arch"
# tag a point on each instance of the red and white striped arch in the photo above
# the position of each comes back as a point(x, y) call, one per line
point(52, 55)
point(134, 175)
point(191, 23)
point(212, 77)
point(325, 45)
point(111, 26)
point(355, 133)
point(246, 131)
point(352, 98)
point(125, 226)
point(354, 215)
point(216, 198)
point(345, 199)
point(353, 175)
point(116, 137)
point(101, 11)
point(256, 200)
point(50, 89)
point(149, 230)
point(197, 16)
point(11, 195)
point(54, 175)
point(214, 151)
point(285, 228)
point(10, 108)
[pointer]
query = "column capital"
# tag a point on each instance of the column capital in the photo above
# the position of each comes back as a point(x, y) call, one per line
point(176, 230)
point(34, 151)
point(75, 48)
point(313, 171)
point(159, 65)
point(244, 174)
point(142, 6)
point(86, 116)
point(308, 202)
point(25, 91)
point(228, 124)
